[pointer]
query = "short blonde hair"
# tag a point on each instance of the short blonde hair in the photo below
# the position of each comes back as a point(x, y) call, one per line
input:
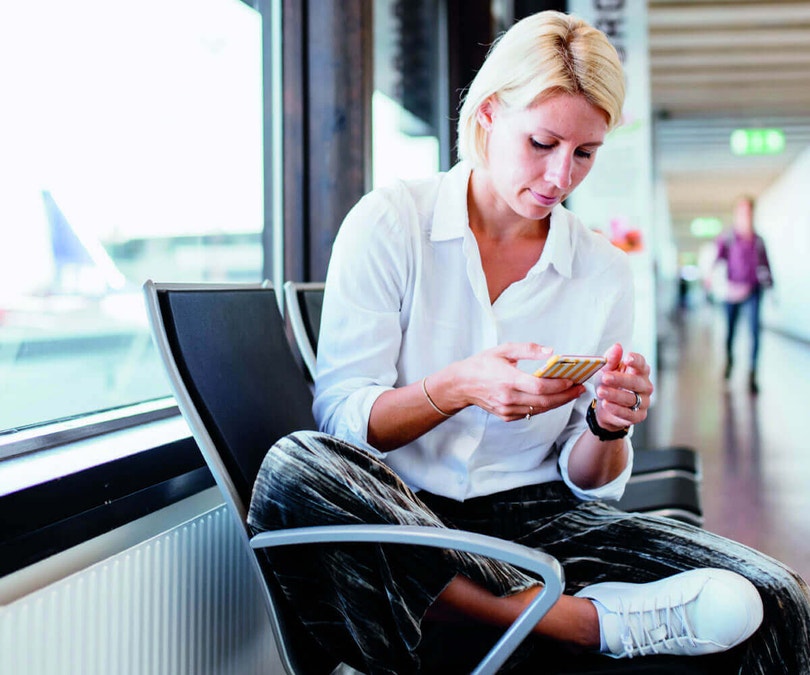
point(544, 54)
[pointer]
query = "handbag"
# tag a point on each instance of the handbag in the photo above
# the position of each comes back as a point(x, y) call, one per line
point(764, 277)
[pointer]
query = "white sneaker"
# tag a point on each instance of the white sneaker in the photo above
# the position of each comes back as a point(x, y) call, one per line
point(701, 611)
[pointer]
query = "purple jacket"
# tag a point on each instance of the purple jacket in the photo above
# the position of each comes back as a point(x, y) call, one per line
point(747, 259)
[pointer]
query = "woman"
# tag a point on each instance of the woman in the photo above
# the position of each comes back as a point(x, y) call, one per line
point(442, 297)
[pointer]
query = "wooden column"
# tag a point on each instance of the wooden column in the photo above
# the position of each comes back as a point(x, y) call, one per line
point(327, 139)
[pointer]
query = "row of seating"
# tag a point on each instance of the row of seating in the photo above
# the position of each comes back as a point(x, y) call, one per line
point(665, 481)
point(237, 383)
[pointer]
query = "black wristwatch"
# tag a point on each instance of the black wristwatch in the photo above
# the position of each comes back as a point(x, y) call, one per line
point(599, 432)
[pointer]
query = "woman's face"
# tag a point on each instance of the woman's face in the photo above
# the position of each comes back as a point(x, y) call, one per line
point(537, 156)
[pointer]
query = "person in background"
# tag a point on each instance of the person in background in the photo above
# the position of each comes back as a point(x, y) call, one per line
point(748, 275)
point(443, 296)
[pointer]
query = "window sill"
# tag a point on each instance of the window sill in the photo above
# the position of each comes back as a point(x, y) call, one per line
point(61, 433)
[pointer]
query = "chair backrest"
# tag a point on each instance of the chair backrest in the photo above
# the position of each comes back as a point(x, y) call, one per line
point(303, 302)
point(238, 386)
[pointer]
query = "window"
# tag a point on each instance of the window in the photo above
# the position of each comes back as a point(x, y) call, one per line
point(132, 148)
point(409, 124)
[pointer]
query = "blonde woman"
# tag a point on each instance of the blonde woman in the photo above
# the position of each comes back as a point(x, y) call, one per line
point(442, 298)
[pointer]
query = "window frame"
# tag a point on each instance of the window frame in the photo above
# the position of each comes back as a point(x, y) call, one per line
point(44, 436)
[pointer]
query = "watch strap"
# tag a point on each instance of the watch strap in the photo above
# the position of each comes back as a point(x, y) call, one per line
point(601, 433)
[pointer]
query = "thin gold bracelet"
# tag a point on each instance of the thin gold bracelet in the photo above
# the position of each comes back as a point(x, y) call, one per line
point(430, 400)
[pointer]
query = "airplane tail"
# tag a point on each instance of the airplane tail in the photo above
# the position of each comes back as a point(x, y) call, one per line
point(82, 264)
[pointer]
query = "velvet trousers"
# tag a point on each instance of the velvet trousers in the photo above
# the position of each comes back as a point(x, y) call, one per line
point(366, 603)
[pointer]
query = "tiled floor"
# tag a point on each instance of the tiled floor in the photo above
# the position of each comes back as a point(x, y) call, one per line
point(755, 450)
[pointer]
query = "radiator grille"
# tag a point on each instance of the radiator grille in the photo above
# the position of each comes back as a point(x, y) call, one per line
point(184, 602)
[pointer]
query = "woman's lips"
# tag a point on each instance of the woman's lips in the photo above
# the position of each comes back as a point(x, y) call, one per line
point(544, 200)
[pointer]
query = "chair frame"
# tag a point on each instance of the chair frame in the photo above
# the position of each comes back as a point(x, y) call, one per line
point(294, 312)
point(544, 566)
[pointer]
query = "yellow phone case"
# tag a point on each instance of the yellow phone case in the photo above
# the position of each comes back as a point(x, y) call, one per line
point(576, 368)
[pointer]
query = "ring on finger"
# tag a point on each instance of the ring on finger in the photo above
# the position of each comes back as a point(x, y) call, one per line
point(529, 414)
point(637, 404)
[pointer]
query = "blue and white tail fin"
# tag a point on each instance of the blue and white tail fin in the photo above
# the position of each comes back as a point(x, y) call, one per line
point(82, 265)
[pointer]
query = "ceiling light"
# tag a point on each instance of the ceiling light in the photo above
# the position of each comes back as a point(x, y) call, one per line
point(705, 227)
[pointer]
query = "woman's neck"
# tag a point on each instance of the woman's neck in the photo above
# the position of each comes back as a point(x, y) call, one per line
point(509, 245)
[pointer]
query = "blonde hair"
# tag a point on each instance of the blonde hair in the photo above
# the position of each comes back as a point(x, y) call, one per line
point(544, 54)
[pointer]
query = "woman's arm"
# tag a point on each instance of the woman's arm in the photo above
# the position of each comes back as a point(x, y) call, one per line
point(594, 462)
point(489, 380)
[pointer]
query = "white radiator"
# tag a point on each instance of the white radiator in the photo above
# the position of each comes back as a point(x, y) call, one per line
point(182, 602)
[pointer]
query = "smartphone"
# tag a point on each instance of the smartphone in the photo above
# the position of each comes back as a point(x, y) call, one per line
point(575, 368)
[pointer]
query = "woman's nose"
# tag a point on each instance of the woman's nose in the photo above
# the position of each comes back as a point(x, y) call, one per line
point(558, 170)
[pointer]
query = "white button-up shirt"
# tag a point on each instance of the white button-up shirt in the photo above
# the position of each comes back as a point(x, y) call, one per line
point(406, 295)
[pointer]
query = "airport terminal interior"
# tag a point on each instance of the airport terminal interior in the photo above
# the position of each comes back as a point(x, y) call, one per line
point(224, 141)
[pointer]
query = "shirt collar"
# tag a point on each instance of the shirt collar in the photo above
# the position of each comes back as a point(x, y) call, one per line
point(451, 221)
point(450, 217)
point(559, 249)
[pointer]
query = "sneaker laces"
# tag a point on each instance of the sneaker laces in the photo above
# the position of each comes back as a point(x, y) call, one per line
point(649, 629)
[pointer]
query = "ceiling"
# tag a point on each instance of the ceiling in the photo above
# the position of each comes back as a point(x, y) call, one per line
point(717, 66)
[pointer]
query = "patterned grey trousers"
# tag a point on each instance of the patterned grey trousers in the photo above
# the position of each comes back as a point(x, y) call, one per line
point(365, 603)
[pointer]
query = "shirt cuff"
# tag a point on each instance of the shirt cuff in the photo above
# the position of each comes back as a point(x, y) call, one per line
point(611, 491)
point(351, 418)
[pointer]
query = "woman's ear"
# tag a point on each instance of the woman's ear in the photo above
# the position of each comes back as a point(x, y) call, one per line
point(484, 115)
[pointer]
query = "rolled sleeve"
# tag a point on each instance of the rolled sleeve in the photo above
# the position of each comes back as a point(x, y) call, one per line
point(346, 414)
point(611, 491)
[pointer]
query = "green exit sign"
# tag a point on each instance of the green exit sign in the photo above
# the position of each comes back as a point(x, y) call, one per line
point(757, 141)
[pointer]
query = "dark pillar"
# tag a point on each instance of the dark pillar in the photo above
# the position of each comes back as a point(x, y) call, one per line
point(327, 130)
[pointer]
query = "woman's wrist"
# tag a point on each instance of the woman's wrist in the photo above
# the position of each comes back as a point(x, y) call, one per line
point(440, 390)
point(600, 431)
point(431, 401)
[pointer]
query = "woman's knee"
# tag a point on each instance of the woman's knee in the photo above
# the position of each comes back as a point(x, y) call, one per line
point(310, 478)
point(782, 585)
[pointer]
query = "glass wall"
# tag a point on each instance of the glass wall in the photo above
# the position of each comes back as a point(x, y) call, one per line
point(408, 113)
point(131, 138)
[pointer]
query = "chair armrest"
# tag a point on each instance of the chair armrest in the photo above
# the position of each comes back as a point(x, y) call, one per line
point(542, 564)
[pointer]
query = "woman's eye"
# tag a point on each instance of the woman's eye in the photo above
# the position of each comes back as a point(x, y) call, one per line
point(539, 145)
point(585, 154)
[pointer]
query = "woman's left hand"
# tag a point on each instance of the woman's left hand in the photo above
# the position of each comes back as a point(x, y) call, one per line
point(624, 390)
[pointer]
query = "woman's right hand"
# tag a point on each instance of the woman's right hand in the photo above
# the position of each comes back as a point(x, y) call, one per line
point(489, 380)
point(492, 381)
